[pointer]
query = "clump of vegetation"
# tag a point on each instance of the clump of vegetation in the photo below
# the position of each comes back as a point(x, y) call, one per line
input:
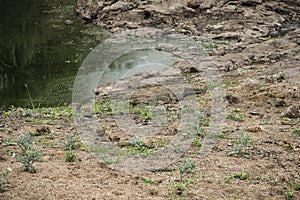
point(297, 187)
point(29, 155)
point(241, 176)
point(196, 142)
point(136, 145)
point(103, 105)
point(243, 140)
point(24, 142)
point(148, 181)
point(28, 159)
point(70, 156)
point(72, 142)
point(288, 195)
point(4, 179)
point(296, 131)
point(179, 188)
point(143, 111)
point(187, 166)
point(239, 117)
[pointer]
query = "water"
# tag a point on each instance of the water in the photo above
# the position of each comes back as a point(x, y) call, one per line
point(40, 49)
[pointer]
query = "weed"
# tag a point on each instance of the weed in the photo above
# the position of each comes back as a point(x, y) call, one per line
point(196, 142)
point(288, 195)
point(179, 188)
point(186, 167)
point(24, 142)
point(239, 117)
point(257, 179)
point(72, 142)
point(241, 176)
point(103, 105)
point(28, 158)
point(243, 140)
point(29, 155)
point(297, 187)
point(196, 126)
point(4, 179)
point(143, 111)
point(70, 156)
point(138, 146)
point(26, 86)
point(296, 131)
point(148, 181)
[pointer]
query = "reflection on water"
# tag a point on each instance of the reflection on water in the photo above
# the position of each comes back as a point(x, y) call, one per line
point(42, 44)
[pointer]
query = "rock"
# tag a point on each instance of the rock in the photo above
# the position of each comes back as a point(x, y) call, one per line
point(251, 2)
point(255, 113)
point(43, 129)
point(293, 111)
point(194, 4)
point(254, 129)
point(45, 159)
point(231, 99)
point(68, 22)
point(279, 103)
point(208, 4)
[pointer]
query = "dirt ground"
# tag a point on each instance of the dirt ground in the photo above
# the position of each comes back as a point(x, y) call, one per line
point(258, 57)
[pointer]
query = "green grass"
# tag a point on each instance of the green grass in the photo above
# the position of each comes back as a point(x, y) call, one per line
point(148, 181)
point(197, 143)
point(102, 106)
point(240, 176)
point(296, 131)
point(236, 117)
point(4, 179)
point(242, 140)
point(70, 156)
point(186, 167)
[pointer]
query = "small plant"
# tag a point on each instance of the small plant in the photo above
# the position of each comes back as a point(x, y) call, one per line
point(143, 111)
point(72, 142)
point(28, 158)
point(241, 176)
point(137, 142)
point(297, 187)
point(148, 181)
point(24, 142)
point(186, 167)
point(179, 188)
point(243, 140)
point(196, 142)
point(288, 195)
point(29, 155)
point(4, 180)
point(296, 131)
point(136, 145)
point(104, 105)
point(239, 117)
point(70, 156)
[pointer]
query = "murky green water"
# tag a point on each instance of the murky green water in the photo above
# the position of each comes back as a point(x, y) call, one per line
point(40, 49)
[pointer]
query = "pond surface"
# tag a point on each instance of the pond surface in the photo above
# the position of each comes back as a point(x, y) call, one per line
point(42, 45)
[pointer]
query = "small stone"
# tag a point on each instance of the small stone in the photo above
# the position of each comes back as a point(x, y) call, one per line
point(45, 159)
point(193, 4)
point(255, 113)
point(254, 129)
point(68, 22)
point(59, 153)
point(279, 103)
point(293, 111)
point(231, 99)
